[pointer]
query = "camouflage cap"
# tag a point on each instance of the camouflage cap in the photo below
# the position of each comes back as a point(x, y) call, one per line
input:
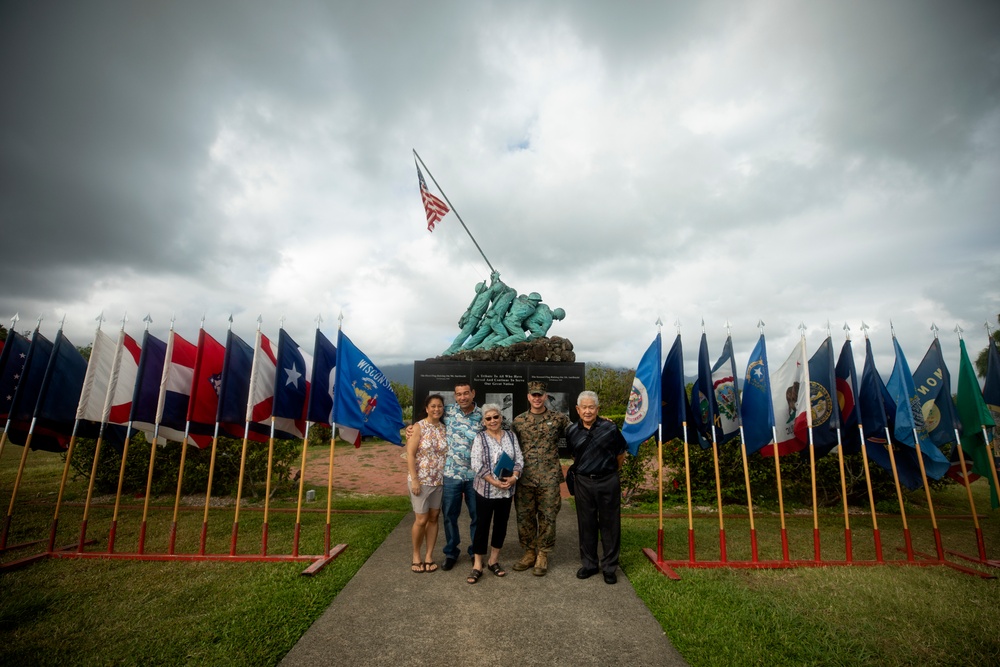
point(536, 387)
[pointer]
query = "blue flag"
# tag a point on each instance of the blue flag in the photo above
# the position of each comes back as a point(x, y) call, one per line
point(60, 394)
point(235, 390)
point(874, 407)
point(146, 394)
point(12, 359)
point(847, 398)
point(758, 417)
point(291, 379)
point(642, 414)
point(823, 401)
point(323, 379)
point(22, 409)
point(726, 394)
point(363, 398)
point(933, 390)
point(703, 397)
point(910, 418)
point(674, 394)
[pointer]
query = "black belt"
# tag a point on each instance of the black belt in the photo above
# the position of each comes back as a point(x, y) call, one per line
point(597, 476)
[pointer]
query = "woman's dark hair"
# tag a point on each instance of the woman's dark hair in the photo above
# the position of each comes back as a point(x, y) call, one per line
point(427, 401)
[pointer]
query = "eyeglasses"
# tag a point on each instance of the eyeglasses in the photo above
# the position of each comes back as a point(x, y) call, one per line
point(491, 418)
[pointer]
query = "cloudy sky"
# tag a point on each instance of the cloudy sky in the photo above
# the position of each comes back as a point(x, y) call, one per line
point(795, 162)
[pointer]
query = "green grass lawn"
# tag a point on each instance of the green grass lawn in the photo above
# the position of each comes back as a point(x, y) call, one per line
point(68, 611)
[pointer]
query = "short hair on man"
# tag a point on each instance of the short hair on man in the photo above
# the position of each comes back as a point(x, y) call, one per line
point(588, 395)
point(463, 383)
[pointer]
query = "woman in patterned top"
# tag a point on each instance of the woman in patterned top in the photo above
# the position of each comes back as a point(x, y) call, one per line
point(494, 485)
point(426, 448)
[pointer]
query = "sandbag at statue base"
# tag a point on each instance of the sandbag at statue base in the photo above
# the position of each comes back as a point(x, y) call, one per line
point(540, 349)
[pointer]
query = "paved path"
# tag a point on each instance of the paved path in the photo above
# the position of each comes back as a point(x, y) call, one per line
point(387, 615)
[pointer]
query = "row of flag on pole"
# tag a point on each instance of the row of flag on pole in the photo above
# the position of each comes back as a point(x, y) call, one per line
point(174, 389)
point(777, 409)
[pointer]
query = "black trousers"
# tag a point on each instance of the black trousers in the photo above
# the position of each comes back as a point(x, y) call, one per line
point(497, 511)
point(598, 513)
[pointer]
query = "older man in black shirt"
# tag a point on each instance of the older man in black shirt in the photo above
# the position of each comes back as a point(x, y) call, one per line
point(598, 450)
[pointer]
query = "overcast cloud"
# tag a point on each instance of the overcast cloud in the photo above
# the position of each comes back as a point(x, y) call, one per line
point(726, 161)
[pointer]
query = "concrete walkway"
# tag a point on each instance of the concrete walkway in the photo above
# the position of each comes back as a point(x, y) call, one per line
point(387, 615)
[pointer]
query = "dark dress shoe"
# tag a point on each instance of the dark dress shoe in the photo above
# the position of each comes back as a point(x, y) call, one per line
point(449, 563)
point(610, 578)
point(585, 573)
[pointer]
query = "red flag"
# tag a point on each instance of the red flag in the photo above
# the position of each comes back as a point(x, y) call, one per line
point(435, 208)
point(204, 403)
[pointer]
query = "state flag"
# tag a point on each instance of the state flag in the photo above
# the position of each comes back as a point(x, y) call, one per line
point(363, 398)
point(642, 414)
point(790, 401)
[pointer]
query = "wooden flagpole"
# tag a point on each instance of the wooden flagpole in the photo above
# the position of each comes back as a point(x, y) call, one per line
point(302, 484)
point(923, 478)
point(208, 490)
point(128, 437)
point(877, 536)
point(812, 445)
point(246, 438)
point(453, 210)
point(24, 458)
point(3, 437)
point(267, 489)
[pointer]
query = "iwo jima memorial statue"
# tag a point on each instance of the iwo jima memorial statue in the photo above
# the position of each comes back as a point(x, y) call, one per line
point(502, 343)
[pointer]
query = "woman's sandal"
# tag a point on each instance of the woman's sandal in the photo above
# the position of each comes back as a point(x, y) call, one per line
point(497, 569)
point(474, 576)
point(430, 566)
point(417, 568)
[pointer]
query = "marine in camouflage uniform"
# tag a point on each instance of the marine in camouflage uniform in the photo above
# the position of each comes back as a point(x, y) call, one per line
point(537, 498)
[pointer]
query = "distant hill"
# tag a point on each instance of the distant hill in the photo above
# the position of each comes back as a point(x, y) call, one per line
point(402, 373)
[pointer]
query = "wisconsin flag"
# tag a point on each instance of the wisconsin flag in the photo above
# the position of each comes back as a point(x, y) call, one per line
point(642, 414)
point(363, 398)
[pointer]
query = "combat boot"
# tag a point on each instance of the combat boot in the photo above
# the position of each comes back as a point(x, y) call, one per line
point(527, 561)
point(541, 564)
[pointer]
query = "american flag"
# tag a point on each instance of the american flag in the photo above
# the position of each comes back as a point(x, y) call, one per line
point(435, 208)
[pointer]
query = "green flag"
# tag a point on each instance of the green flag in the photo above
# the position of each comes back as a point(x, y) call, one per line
point(974, 415)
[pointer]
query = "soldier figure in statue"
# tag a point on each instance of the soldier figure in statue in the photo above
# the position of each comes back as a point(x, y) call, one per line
point(522, 308)
point(540, 321)
point(492, 323)
point(474, 313)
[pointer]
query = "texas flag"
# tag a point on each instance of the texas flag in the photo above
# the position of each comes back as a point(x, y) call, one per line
point(790, 401)
point(261, 400)
point(291, 381)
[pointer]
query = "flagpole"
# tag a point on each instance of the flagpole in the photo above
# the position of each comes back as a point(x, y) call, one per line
point(24, 454)
point(718, 478)
point(659, 445)
point(128, 438)
point(895, 478)
point(987, 442)
point(965, 474)
point(848, 547)
point(453, 210)
point(246, 439)
point(687, 472)
point(327, 544)
point(923, 474)
point(876, 534)
point(184, 446)
point(302, 484)
point(199, 358)
point(812, 446)
point(3, 437)
point(108, 398)
point(754, 554)
point(781, 500)
point(69, 457)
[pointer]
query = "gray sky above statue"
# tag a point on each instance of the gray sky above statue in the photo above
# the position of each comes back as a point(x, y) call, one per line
point(495, 317)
